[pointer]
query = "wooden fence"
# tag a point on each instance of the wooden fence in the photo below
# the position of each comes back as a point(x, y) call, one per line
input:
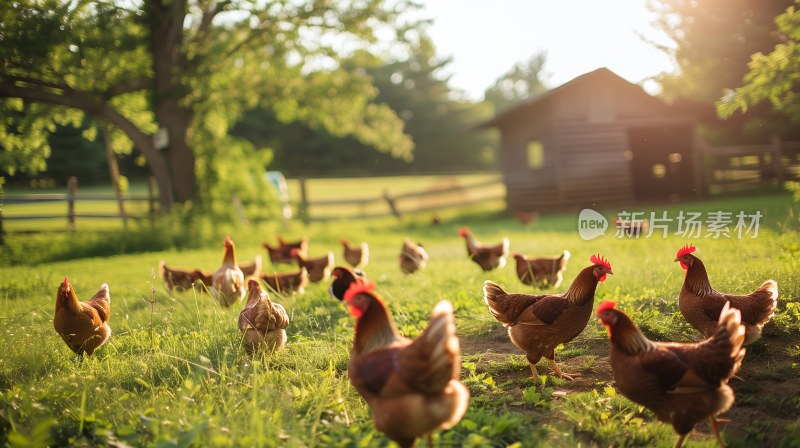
point(71, 198)
point(731, 168)
point(399, 204)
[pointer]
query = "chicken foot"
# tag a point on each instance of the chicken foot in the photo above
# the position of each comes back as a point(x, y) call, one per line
point(559, 373)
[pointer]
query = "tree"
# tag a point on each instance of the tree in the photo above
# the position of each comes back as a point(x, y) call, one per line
point(774, 77)
point(187, 70)
point(713, 40)
point(524, 80)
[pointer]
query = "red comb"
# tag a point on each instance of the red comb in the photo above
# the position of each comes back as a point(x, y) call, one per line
point(463, 231)
point(601, 260)
point(227, 240)
point(687, 249)
point(607, 305)
point(357, 288)
point(293, 252)
point(252, 284)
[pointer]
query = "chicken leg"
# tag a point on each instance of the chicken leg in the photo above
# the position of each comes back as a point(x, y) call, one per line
point(714, 425)
point(679, 443)
point(559, 373)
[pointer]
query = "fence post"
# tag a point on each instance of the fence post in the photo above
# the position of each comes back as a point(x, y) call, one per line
point(777, 159)
point(72, 186)
point(392, 204)
point(151, 198)
point(304, 213)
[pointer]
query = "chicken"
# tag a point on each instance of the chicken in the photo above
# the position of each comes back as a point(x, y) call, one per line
point(487, 257)
point(526, 218)
point(251, 268)
point(700, 304)
point(180, 279)
point(682, 383)
point(358, 257)
point(537, 324)
point(543, 271)
point(343, 277)
point(227, 282)
point(411, 386)
point(413, 257)
point(82, 325)
point(287, 282)
point(319, 269)
point(282, 253)
point(262, 322)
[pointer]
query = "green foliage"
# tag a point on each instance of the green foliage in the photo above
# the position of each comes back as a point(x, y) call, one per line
point(523, 81)
point(772, 77)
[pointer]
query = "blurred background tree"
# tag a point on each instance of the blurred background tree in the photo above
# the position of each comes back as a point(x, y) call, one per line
point(713, 43)
point(187, 71)
point(523, 81)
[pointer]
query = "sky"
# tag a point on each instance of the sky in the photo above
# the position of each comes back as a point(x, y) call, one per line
point(485, 38)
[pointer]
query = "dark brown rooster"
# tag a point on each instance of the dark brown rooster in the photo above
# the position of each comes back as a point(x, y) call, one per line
point(683, 384)
point(411, 386)
point(82, 325)
point(282, 253)
point(488, 257)
point(319, 269)
point(287, 282)
point(537, 324)
point(542, 271)
point(343, 277)
point(701, 304)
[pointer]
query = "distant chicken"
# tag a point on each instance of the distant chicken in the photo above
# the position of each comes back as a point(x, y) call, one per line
point(282, 253)
point(227, 283)
point(526, 218)
point(413, 257)
point(318, 268)
point(262, 322)
point(287, 282)
point(542, 271)
point(343, 278)
point(537, 324)
point(180, 279)
point(357, 256)
point(683, 384)
point(411, 386)
point(488, 257)
point(82, 325)
point(700, 304)
point(251, 268)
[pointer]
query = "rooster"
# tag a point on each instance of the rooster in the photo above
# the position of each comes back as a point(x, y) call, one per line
point(683, 384)
point(82, 325)
point(180, 279)
point(411, 386)
point(251, 268)
point(413, 257)
point(227, 282)
point(318, 268)
point(282, 253)
point(700, 304)
point(343, 277)
point(262, 322)
point(358, 257)
point(287, 282)
point(542, 271)
point(537, 324)
point(487, 257)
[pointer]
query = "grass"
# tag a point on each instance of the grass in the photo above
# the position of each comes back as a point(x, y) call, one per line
point(174, 372)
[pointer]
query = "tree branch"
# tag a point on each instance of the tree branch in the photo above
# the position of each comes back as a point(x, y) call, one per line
point(128, 86)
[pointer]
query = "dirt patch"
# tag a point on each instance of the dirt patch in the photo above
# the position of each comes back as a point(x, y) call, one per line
point(767, 401)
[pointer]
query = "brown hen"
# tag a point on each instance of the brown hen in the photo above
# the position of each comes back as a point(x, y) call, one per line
point(683, 384)
point(82, 325)
point(262, 322)
point(537, 324)
point(356, 256)
point(488, 257)
point(544, 272)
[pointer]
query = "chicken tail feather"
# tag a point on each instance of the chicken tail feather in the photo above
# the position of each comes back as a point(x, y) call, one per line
point(730, 334)
point(492, 293)
point(767, 296)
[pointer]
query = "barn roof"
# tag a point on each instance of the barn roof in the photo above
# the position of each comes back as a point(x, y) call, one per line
point(602, 77)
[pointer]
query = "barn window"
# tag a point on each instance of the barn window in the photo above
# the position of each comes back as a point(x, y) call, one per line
point(535, 152)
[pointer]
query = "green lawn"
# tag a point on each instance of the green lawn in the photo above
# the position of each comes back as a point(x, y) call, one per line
point(174, 372)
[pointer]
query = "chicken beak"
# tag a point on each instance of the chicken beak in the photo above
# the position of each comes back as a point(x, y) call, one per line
point(609, 272)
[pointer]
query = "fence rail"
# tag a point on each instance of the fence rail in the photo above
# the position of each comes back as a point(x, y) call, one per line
point(400, 204)
point(727, 168)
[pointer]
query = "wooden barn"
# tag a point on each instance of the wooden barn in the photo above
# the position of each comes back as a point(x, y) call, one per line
point(596, 140)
